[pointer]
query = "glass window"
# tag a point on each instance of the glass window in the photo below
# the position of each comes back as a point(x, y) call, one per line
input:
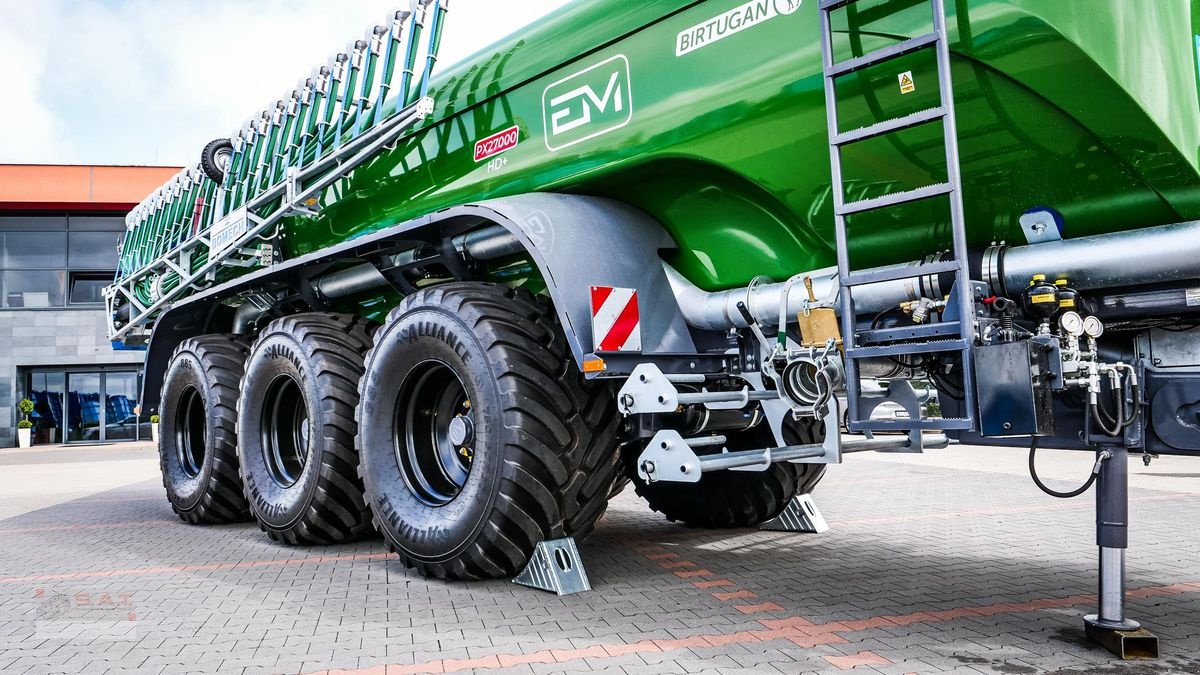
point(35, 223)
point(98, 223)
point(33, 288)
point(30, 250)
point(46, 391)
point(87, 287)
point(121, 423)
point(93, 250)
point(83, 407)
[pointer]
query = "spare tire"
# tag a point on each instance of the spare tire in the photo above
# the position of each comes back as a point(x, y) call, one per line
point(197, 445)
point(478, 437)
point(736, 499)
point(216, 158)
point(296, 426)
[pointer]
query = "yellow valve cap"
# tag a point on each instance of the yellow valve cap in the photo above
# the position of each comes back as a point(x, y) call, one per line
point(1060, 282)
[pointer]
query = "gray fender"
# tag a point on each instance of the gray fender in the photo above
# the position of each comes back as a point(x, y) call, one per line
point(576, 242)
point(579, 242)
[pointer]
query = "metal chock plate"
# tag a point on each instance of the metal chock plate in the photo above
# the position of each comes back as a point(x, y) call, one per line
point(801, 515)
point(1128, 645)
point(555, 566)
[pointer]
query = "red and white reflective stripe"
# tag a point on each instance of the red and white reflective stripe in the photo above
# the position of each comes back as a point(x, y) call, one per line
point(616, 324)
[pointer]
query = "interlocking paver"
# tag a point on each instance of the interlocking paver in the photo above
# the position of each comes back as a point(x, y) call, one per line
point(926, 569)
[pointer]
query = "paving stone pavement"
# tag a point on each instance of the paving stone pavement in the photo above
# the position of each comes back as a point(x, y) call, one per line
point(927, 568)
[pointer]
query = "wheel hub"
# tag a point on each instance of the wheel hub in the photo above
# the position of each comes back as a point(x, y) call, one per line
point(434, 433)
point(285, 431)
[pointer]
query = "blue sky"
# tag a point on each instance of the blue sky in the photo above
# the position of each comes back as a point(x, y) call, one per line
point(151, 81)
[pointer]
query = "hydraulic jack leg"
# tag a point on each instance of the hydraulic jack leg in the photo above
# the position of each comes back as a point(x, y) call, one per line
point(1110, 627)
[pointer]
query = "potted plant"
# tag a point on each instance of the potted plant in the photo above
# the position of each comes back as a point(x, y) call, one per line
point(154, 428)
point(24, 427)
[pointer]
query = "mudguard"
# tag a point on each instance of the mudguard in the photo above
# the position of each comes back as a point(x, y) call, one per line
point(575, 242)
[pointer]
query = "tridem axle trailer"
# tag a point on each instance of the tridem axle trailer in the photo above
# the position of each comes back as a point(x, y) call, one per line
point(704, 247)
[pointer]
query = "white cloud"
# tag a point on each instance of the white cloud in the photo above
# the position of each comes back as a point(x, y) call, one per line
point(149, 82)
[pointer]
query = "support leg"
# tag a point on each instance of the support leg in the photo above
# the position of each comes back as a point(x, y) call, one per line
point(1110, 627)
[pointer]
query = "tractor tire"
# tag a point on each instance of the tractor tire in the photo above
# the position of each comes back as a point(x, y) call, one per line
point(478, 437)
point(296, 421)
point(735, 499)
point(215, 159)
point(198, 444)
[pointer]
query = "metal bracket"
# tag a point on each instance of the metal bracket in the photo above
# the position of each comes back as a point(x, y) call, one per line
point(555, 566)
point(649, 390)
point(1041, 226)
point(292, 195)
point(671, 457)
point(901, 393)
point(801, 515)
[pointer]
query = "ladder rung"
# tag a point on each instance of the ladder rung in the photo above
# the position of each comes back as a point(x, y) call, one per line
point(899, 272)
point(909, 425)
point(880, 55)
point(830, 5)
point(888, 126)
point(895, 199)
point(926, 330)
point(905, 349)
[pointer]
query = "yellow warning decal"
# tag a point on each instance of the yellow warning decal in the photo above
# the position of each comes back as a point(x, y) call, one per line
point(1066, 303)
point(906, 82)
point(1043, 297)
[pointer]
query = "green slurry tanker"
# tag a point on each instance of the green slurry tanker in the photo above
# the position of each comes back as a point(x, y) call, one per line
point(704, 247)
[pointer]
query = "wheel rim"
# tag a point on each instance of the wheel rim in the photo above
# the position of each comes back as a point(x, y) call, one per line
point(434, 433)
point(223, 158)
point(191, 432)
point(285, 431)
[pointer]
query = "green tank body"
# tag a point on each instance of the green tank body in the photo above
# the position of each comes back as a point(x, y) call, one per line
point(1089, 107)
point(710, 117)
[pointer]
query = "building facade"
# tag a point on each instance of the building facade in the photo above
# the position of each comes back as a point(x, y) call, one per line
point(60, 227)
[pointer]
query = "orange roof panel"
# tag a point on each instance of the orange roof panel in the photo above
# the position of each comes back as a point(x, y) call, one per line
point(62, 186)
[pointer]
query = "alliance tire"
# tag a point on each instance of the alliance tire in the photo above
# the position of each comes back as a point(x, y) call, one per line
point(541, 457)
point(735, 499)
point(198, 444)
point(297, 428)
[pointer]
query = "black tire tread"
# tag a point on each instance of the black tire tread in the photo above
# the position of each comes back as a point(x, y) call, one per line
point(335, 343)
point(222, 357)
point(568, 460)
point(208, 159)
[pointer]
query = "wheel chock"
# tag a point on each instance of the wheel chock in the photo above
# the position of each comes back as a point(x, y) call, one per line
point(555, 566)
point(801, 515)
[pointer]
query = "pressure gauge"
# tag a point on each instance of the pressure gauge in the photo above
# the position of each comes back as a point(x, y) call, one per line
point(1072, 323)
point(1093, 327)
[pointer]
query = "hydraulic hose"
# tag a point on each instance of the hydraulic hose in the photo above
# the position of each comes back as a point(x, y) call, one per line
point(1105, 422)
point(1105, 455)
point(1125, 417)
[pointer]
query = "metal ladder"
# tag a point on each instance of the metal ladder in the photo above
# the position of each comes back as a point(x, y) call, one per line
point(938, 337)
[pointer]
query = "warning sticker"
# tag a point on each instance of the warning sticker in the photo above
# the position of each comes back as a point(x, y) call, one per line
point(906, 82)
point(1193, 297)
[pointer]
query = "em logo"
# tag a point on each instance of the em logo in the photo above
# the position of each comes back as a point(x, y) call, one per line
point(588, 104)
